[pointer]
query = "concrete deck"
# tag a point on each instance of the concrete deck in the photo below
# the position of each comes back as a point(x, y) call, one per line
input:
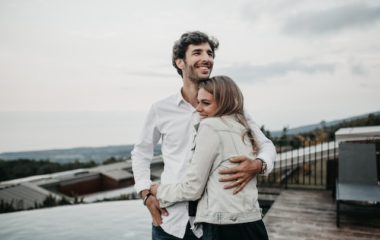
point(311, 214)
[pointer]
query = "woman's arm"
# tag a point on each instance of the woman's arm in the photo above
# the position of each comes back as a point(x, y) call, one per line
point(207, 144)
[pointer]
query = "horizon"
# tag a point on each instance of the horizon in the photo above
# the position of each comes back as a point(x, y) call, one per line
point(113, 133)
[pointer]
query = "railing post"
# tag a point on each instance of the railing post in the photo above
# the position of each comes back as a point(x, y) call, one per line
point(315, 162)
point(298, 165)
point(321, 164)
point(309, 147)
point(286, 172)
point(291, 161)
point(280, 180)
point(303, 163)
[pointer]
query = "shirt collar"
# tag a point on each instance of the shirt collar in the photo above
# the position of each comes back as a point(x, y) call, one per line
point(179, 98)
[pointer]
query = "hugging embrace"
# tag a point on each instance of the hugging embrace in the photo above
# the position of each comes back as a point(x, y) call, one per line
point(212, 151)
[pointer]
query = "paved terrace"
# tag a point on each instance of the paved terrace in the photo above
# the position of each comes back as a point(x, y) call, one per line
point(310, 214)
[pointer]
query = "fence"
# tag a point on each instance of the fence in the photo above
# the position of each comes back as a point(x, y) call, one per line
point(312, 165)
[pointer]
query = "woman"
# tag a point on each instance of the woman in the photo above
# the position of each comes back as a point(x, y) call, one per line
point(223, 133)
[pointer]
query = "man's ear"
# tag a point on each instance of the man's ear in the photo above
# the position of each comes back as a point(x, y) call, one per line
point(180, 63)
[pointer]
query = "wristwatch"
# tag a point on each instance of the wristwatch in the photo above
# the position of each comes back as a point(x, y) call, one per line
point(146, 197)
point(263, 166)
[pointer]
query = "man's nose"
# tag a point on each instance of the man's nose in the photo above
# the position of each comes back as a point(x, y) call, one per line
point(207, 58)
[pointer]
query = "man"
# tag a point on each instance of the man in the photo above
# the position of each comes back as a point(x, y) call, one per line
point(172, 121)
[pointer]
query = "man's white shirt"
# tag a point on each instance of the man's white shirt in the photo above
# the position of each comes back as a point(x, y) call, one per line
point(172, 121)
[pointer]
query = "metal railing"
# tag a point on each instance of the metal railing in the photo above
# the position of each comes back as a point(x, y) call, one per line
point(312, 165)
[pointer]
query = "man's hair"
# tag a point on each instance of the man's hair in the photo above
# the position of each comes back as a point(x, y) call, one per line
point(188, 38)
point(229, 99)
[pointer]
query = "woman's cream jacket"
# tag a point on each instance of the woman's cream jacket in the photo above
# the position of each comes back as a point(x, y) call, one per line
point(218, 139)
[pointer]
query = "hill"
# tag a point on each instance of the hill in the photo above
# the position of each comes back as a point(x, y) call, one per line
point(100, 154)
point(81, 154)
point(322, 124)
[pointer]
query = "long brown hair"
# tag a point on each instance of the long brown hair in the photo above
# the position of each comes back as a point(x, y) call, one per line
point(229, 99)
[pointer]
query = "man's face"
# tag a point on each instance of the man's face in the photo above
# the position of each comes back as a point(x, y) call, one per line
point(198, 62)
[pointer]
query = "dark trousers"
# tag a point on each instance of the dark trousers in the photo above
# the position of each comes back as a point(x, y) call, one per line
point(159, 234)
point(242, 231)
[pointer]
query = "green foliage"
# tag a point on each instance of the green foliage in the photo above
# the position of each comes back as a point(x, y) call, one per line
point(322, 134)
point(6, 207)
point(112, 160)
point(25, 167)
point(50, 201)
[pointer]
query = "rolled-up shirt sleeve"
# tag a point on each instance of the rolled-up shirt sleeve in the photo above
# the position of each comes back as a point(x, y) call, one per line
point(266, 149)
point(143, 151)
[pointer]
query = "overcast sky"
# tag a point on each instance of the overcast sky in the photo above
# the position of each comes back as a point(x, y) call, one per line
point(297, 62)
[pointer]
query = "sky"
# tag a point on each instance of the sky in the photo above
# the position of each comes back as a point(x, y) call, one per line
point(297, 62)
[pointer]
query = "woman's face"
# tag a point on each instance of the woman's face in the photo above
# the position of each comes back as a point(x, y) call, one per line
point(207, 105)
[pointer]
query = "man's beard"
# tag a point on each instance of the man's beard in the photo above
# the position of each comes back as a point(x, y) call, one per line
point(196, 78)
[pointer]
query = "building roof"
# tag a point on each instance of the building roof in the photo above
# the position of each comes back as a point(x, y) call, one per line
point(111, 194)
point(118, 174)
point(25, 192)
point(25, 195)
point(358, 134)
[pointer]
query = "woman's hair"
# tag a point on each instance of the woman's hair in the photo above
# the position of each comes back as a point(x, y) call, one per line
point(229, 99)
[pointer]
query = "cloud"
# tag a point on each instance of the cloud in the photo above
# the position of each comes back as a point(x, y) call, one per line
point(358, 69)
point(148, 73)
point(333, 19)
point(254, 11)
point(259, 73)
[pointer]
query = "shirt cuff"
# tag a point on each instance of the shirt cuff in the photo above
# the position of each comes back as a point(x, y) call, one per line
point(142, 186)
point(269, 163)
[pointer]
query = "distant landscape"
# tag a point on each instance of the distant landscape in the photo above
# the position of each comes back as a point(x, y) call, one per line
point(100, 154)
point(82, 154)
point(318, 133)
point(22, 164)
point(322, 124)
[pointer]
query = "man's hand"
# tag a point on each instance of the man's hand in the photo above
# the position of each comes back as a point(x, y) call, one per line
point(240, 175)
point(154, 208)
point(153, 189)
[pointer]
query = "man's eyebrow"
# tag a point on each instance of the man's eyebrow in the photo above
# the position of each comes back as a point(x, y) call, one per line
point(197, 50)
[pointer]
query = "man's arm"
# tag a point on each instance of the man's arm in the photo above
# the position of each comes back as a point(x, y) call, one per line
point(142, 156)
point(237, 177)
